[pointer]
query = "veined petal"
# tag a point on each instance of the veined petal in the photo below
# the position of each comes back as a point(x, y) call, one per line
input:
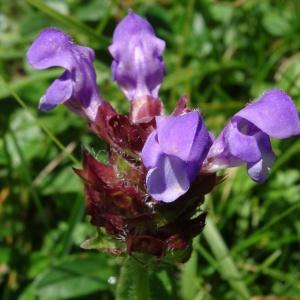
point(169, 180)
point(274, 113)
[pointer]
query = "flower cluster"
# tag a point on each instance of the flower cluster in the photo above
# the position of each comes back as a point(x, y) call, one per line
point(147, 198)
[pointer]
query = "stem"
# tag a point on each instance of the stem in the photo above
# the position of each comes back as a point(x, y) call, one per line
point(133, 281)
point(141, 282)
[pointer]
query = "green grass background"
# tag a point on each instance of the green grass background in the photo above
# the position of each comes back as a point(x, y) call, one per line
point(220, 54)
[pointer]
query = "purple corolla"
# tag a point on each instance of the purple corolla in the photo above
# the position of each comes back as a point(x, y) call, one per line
point(174, 153)
point(76, 87)
point(246, 138)
point(137, 66)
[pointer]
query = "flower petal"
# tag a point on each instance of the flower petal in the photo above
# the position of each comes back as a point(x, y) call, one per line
point(183, 136)
point(51, 49)
point(59, 92)
point(151, 152)
point(274, 113)
point(259, 170)
point(169, 180)
point(242, 140)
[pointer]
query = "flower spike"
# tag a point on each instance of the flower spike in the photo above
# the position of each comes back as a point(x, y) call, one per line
point(147, 196)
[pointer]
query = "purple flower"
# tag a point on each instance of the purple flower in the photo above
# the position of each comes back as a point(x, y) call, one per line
point(246, 138)
point(137, 67)
point(76, 87)
point(174, 153)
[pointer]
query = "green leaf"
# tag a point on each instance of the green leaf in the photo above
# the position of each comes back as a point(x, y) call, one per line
point(100, 242)
point(74, 277)
point(23, 125)
point(62, 182)
point(276, 24)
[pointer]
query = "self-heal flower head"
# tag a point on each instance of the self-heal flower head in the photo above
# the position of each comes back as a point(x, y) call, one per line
point(246, 138)
point(76, 87)
point(174, 153)
point(137, 64)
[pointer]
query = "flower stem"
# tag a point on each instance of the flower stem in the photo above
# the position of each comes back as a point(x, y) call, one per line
point(141, 282)
point(133, 281)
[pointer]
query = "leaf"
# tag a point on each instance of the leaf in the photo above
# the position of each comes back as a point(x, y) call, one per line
point(28, 293)
point(276, 24)
point(94, 10)
point(74, 277)
point(23, 125)
point(62, 182)
point(100, 242)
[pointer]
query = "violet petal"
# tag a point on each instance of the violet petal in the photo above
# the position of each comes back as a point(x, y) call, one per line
point(169, 180)
point(183, 136)
point(59, 91)
point(151, 151)
point(274, 113)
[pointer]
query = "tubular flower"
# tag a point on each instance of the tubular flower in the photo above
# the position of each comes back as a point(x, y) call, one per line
point(174, 153)
point(76, 87)
point(246, 137)
point(137, 64)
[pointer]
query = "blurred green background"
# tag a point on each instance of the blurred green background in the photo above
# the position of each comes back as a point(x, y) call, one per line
point(219, 53)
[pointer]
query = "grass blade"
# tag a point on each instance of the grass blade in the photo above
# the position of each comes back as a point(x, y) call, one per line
point(227, 267)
